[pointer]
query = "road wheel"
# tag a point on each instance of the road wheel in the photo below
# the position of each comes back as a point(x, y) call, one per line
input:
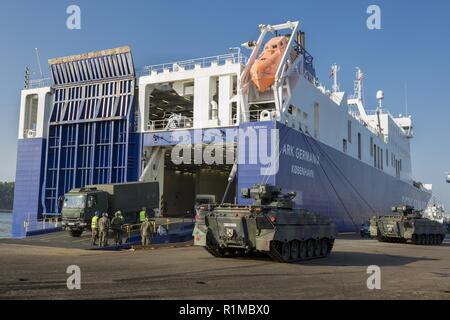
point(286, 251)
point(303, 251)
point(310, 248)
point(422, 239)
point(295, 249)
point(317, 248)
point(433, 239)
point(324, 247)
point(75, 233)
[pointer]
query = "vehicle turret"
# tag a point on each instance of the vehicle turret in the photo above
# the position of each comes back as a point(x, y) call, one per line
point(268, 195)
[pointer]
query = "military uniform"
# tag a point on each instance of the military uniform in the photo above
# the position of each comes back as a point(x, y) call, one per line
point(103, 227)
point(116, 226)
point(94, 229)
point(146, 232)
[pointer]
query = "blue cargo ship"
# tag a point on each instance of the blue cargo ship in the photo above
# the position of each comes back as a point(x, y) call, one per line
point(203, 126)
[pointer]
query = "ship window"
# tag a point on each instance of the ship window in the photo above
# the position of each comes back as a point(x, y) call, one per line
point(359, 147)
point(235, 83)
point(349, 131)
point(387, 158)
point(290, 109)
point(316, 120)
point(379, 157)
point(371, 147)
point(234, 112)
point(374, 150)
point(31, 111)
point(305, 120)
point(171, 105)
point(344, 146)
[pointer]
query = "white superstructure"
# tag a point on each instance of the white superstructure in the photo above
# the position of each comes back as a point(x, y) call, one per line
point(217, 92)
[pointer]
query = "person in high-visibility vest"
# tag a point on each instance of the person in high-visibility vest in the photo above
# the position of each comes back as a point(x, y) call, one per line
point(142, 215)
point(94, 228)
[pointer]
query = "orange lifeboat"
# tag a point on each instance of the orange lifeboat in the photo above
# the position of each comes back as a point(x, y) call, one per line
point(263, 70)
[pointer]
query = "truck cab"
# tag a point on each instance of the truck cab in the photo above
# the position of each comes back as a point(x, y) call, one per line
point(79, 207)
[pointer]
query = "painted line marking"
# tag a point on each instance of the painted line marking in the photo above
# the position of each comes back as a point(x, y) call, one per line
point(80, 240)
point(54, 237)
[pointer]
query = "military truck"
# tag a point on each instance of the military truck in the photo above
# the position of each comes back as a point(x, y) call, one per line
point(80, 205)
point(270, 226)
point(408, 225)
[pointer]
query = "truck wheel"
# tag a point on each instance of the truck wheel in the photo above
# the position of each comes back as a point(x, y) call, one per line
point(75, 233)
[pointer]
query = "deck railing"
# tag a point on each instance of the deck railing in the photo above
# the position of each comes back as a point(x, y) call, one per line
point(40, 83)
point(204, 62)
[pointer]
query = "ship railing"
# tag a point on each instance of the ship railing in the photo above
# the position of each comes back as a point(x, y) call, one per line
point(204, 62)
point(170, 124)
point(52, 222)
point(39, 83)
point(252, 116)
point(311, 78)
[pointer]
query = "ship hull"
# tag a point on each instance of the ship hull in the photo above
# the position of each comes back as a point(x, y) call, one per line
point(327, 181)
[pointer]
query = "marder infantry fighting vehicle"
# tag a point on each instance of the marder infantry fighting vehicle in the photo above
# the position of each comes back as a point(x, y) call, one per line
point(407, 226)
point(270, 226)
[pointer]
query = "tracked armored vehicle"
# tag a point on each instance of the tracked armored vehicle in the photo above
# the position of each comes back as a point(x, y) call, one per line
point(407, 225)
point(269, 226)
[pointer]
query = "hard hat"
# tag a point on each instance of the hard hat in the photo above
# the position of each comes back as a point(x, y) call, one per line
point(97, 213)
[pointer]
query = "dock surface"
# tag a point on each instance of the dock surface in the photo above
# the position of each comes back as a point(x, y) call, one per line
point(169, 272)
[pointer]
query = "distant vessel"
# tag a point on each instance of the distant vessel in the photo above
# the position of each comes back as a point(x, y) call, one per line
point(98, 121)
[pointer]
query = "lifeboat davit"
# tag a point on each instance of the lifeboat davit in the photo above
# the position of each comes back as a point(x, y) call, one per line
point(263, 70)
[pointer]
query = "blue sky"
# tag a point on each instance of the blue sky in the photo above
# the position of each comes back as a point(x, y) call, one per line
point(412, 48)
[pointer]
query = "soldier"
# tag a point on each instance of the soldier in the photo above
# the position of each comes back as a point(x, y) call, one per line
point(103, 227)
point(116, 226)
point(142, 215)
point(146, 232)
point(94, 228)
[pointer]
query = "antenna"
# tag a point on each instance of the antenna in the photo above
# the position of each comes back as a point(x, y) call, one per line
point(359, 93)
point(39, 62)
point(380, 98)
point(26, 84)
point(334, 70)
